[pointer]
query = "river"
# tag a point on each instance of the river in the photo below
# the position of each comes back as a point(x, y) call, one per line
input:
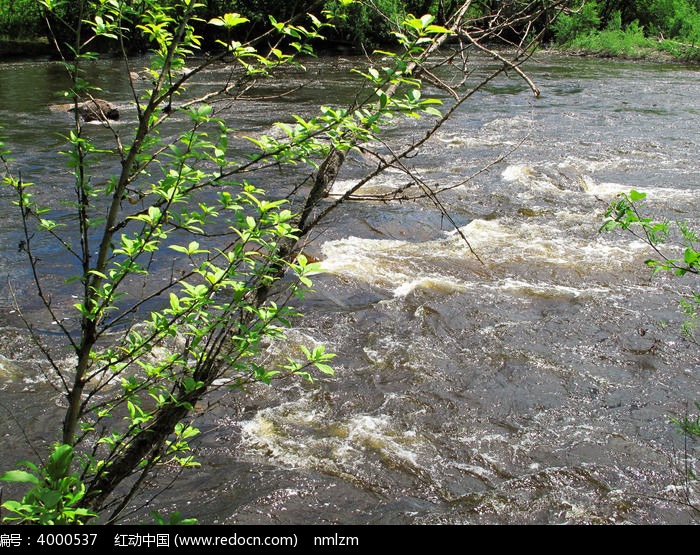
point(536, 387)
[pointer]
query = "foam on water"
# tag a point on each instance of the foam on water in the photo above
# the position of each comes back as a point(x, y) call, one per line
point(432, 283)
point(527, 181)
point(302, 435)
point(663, 195)
point(548, 289)
point(447, 264)
point(8, 369)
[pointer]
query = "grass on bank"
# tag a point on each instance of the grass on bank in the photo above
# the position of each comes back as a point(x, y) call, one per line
point(630, 43)
point(585, 33)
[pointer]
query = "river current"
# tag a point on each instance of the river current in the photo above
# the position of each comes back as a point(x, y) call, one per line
point(535, 387)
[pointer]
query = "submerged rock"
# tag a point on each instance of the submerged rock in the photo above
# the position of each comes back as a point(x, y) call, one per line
point(96, 109)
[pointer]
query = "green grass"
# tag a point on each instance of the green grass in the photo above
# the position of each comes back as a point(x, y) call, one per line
point(628, 43)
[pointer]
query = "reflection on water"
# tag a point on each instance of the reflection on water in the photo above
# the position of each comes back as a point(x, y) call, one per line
point(535, 387)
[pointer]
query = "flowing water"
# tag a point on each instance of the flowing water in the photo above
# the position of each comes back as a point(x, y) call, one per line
point(535, 387)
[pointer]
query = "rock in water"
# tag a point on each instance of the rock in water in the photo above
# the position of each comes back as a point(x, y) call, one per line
point(96, 109)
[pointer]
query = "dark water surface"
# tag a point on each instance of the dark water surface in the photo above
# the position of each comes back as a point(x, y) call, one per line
point(535, 388)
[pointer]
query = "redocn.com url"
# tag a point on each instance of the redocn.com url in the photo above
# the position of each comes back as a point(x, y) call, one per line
point(234, 540)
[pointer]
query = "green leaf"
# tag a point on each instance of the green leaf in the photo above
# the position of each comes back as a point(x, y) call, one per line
point(636, 196)
point(20, 476)
point(229, 20)
point(60, 461)
point(325, 368)
point(426, 20)
point(438, 29)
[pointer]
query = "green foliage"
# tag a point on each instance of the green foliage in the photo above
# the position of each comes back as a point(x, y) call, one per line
point(367, 24)
point(674, 19)
point(616, 42)
point(689, 425)
point(362, 25)
point(625, 214)
point(213, 321)
point(21, 19)
point(581, 33)
point(633, 28)
point(372, 24)
point(569, 26)
point(54, 494)
point(174, 519)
